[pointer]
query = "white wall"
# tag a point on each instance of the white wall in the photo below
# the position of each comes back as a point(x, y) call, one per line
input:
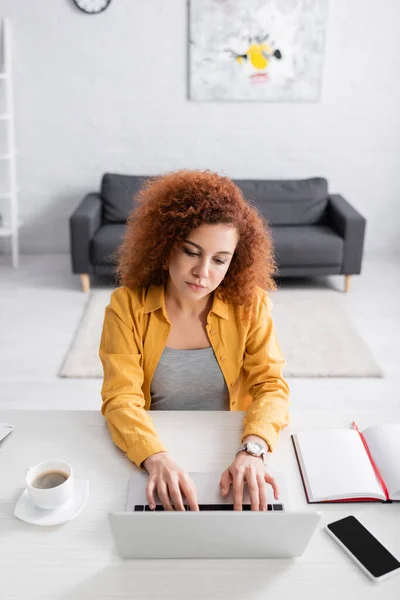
point(109, 93)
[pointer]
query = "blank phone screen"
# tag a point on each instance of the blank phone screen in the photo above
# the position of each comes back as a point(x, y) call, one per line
point(365, 547)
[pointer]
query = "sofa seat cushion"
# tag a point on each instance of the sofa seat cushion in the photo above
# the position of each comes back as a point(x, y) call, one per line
point(287, 202)
point(106, 240)
point(307, 246)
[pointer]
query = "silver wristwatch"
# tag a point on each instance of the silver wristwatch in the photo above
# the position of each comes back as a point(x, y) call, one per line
point(253, 448)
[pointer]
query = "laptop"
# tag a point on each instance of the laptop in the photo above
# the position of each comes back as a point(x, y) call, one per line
point(216, 531)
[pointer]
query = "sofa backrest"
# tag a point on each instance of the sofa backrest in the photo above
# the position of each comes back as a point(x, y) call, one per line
point(281, 202)
point(118, 192)
point(287, 202)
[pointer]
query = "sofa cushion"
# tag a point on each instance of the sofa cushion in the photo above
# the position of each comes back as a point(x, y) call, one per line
point(105, 241)
point(117, 192)
point(307, 246)
point(287, 202)
point(281, 202)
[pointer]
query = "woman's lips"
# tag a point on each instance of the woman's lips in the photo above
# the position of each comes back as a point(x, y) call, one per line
point(195, 287)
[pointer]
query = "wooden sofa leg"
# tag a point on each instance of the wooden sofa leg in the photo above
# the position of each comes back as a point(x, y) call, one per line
point(347, 283)
point(85, 281)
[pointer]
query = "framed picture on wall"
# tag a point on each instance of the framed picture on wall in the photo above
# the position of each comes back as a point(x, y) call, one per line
point(265, 50)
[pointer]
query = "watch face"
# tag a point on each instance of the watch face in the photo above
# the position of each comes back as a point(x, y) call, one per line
point(254, 448)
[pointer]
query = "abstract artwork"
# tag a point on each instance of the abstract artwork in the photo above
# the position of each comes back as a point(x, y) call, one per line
point(269, 50)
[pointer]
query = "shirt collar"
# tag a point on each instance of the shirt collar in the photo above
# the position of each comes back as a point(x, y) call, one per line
point(155, 300)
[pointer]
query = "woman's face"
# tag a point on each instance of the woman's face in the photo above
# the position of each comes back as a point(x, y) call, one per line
point(200, 262)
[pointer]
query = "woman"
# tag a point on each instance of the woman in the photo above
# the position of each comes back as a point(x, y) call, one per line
point(194, 265)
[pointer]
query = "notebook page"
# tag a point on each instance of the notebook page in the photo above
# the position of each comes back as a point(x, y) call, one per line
point(337, 465)
point(384, 444)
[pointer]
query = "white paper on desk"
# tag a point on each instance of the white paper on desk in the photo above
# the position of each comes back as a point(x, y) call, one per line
point(5, 429)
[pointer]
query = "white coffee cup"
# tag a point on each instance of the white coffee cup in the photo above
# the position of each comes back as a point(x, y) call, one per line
point(40, 477)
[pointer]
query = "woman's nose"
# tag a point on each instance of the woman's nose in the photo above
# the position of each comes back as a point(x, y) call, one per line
point(202, 270)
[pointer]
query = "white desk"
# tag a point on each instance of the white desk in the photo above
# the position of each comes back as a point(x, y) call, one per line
point(77, 560)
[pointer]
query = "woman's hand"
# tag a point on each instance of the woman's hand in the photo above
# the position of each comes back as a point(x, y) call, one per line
point(169, 480)
point(247, 469)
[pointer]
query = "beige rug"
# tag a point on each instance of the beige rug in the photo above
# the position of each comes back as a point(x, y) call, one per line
point(315, 333)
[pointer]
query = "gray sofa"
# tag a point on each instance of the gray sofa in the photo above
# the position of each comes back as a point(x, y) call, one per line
point(314, 232)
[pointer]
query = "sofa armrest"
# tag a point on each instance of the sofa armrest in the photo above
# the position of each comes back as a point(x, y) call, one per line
point(350, 225)
point(83, 224)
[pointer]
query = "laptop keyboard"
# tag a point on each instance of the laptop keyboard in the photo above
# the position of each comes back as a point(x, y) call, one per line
point(160, 508)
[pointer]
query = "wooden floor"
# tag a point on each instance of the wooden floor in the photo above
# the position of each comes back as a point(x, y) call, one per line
point(41, 304)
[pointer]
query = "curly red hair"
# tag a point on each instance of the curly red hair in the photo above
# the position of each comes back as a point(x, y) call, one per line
point(172, 205)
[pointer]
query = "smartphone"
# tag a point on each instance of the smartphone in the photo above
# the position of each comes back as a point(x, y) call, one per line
point(373, 558)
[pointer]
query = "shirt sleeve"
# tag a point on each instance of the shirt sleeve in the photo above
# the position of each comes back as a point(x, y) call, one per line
point(263, 363)
point(131, 427)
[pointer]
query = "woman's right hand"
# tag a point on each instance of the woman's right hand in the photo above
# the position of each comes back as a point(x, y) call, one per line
point(169, 480)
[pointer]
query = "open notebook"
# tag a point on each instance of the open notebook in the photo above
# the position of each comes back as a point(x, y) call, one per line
point(346, 465)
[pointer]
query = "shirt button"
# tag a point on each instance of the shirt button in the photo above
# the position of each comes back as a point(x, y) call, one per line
point(234, 403)
point(222, 357)
point(211, 314)
point(233, 384)
point(212, 331)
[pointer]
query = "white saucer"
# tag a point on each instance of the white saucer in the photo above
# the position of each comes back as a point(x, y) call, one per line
point(27, 511)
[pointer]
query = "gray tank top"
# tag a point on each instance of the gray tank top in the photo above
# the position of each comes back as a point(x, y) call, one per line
point(188, 380)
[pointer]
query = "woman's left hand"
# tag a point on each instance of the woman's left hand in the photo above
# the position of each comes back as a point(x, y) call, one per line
point(249, 470)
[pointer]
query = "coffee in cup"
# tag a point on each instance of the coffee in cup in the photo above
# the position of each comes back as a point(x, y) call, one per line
point(50, 484)
point(49, 479)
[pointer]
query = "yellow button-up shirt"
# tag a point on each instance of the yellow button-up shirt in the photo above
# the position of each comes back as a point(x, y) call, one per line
point(135, 330)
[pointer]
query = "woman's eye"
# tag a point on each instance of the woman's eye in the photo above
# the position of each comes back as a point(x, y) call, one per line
point(218, 261)
point(190, 253)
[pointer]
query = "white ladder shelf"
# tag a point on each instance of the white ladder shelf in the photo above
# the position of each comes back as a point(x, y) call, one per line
point(9, 227)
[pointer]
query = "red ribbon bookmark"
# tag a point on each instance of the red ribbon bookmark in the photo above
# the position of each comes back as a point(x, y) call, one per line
point(379, 476)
